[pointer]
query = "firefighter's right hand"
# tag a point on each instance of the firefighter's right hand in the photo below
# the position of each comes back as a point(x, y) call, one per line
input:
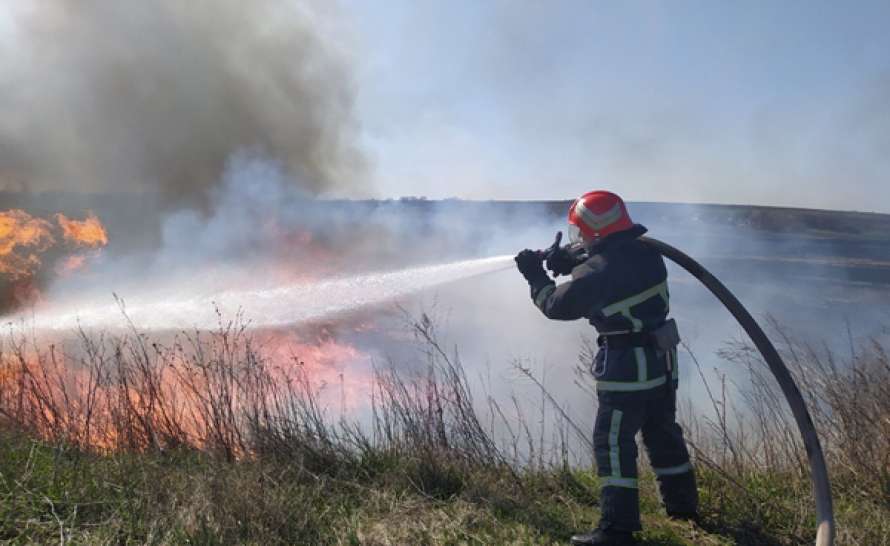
point(563, 260)
point(531, 265)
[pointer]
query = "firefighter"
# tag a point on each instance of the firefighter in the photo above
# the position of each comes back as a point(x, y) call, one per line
point(620, 285)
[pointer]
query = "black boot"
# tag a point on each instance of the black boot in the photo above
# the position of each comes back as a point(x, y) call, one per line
point(604, 537)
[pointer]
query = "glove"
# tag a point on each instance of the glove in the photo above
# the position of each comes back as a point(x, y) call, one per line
point(531, 265)
point(564, 259)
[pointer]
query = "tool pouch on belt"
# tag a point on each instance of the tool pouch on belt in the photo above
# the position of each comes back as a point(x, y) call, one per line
point(617, 358)
point(666, 336)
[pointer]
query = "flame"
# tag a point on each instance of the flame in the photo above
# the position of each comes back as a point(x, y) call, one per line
point(23, 239)
point(172, 395)
point(26, 242)
point(89, 232)
point(338, 370)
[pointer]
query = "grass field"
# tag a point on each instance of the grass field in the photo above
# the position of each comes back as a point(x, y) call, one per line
point(204, 442)
point(57, 495)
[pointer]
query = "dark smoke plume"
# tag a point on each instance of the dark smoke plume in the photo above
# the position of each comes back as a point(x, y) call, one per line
point(104, 95)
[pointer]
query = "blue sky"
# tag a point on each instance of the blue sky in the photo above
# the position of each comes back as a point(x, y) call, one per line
point(781, 103)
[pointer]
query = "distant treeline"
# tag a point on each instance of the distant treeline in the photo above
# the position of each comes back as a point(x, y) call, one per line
point(129, 208)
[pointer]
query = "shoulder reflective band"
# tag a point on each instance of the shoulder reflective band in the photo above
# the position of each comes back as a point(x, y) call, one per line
point(818, 469)
point(624, 306)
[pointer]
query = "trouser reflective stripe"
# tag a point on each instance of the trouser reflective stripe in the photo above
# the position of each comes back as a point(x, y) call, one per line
point(614, 446)
point(619, 417)
point(673, 470)
point(616, 461)
point(629, 483)
point(663, 438)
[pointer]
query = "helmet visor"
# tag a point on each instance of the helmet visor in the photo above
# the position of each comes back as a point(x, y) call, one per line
point(575, 234)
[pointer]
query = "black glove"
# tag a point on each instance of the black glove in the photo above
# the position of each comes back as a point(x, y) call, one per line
point(565, 258)
point(531, 265)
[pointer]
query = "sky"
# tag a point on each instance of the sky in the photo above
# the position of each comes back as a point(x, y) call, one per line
point(772, 103)
point(756, 102)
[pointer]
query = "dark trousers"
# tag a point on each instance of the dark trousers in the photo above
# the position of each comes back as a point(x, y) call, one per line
point(619, 417)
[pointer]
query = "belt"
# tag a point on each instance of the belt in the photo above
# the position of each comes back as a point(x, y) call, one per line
point(627, 340)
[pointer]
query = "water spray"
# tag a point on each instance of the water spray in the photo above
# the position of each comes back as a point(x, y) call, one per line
point(274, 307)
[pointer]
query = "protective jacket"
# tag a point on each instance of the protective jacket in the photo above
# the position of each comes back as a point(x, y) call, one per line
point(621, 288)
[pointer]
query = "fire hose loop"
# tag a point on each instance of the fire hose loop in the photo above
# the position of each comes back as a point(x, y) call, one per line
point(825, 531)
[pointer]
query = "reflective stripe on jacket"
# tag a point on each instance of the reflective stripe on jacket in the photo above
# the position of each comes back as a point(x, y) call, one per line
point(621, 288)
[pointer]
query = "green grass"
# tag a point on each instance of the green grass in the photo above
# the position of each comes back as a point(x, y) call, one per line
point(50, 495)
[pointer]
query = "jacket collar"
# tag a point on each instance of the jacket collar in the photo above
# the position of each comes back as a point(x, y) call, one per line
point(617, 239)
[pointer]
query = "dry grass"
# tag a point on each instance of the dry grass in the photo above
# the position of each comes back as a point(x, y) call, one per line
point(751, 444)
point(202, 439)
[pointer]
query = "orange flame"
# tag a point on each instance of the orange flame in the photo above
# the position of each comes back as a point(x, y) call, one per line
point(172, 396)
point(26, 242)
point(22, 239)
point(326, 362)
point(89, 232)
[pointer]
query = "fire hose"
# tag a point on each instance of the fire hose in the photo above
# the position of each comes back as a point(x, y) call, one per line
point(818, 470)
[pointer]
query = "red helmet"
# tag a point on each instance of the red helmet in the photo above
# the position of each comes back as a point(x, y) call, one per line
point(597, 214)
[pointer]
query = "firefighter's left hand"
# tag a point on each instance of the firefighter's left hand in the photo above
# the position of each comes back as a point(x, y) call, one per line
point(531, 265)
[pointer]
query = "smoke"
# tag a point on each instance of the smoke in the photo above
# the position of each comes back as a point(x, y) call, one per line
point(155, 97)
point(262, 231)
